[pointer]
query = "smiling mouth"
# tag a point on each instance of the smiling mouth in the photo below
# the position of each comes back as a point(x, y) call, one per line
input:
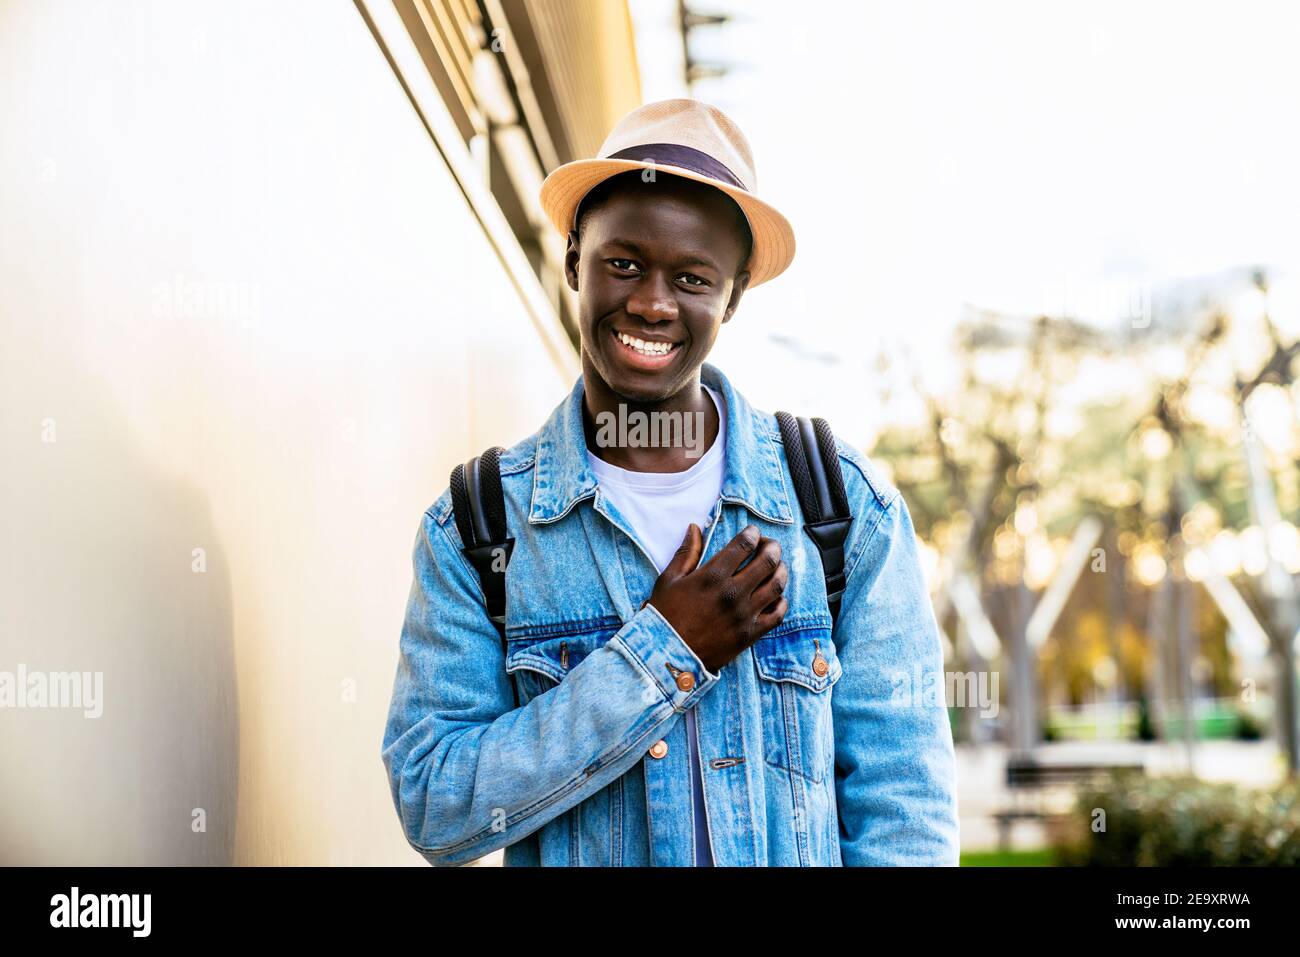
point(645, 354)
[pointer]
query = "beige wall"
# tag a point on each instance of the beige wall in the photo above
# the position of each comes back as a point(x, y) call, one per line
point(241, 302)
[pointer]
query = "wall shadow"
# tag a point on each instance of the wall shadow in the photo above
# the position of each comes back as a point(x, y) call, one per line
point(99, 576)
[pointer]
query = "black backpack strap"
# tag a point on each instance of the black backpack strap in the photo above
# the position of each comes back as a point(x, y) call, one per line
point(815, 468)
point(480, 512)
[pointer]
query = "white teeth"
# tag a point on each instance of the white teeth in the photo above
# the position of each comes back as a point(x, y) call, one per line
point(646, 348)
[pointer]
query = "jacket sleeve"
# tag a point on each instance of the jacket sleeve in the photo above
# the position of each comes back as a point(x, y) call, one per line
point(469, 771)
point(895, 775)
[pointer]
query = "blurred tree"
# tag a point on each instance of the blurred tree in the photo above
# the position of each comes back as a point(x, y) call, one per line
point(1030, 443)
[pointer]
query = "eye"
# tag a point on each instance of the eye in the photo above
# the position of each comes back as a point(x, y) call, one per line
point(626, 265)
point(697, 281)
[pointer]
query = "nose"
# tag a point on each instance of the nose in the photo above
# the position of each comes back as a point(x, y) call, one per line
point(652, 299)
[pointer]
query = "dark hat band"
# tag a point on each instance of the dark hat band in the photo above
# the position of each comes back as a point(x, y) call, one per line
point(673, 154)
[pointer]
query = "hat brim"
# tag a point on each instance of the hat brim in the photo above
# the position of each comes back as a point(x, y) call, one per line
point(773, 236)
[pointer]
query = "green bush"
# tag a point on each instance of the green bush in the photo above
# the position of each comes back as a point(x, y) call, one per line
point(1181, 822)
point(1248, 729)
point(1146, 730)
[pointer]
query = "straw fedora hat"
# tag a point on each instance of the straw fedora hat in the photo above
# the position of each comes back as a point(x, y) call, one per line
point(683, 138)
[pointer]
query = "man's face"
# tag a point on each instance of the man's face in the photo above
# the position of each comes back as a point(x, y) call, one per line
point(657, 262)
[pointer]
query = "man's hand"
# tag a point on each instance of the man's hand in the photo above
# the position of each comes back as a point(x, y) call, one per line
point(720, 609)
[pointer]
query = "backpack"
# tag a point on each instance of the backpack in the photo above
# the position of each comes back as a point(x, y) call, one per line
point(480, 512)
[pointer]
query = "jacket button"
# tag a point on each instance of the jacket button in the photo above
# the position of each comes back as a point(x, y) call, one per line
point(820, 667)
point(685, 681)
point(659, 749)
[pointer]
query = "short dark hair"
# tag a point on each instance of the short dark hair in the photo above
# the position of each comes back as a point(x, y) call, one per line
point(599, 194)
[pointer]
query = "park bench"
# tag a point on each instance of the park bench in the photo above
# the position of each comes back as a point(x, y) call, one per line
point(1031, 781)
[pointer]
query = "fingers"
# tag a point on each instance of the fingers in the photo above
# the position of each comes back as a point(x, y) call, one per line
point(687, 555)
point(769, 618)
point(771, 588)
point(764, 563)
point(735, 551)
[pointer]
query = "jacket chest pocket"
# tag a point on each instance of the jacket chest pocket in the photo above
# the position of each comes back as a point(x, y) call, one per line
point(540, 659)
point(797, 667)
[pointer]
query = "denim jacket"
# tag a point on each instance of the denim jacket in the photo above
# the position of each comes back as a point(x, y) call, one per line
point(834, 762)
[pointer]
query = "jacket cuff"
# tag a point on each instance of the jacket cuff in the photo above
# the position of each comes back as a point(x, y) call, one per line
point(655, 647)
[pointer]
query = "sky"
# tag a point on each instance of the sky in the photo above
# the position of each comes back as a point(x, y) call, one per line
point(1006, 156)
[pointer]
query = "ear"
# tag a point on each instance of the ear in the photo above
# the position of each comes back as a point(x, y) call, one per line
point(571, 255)
point(737, 290)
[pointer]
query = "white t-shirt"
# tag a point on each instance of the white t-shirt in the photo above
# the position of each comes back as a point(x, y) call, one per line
point(660, 506)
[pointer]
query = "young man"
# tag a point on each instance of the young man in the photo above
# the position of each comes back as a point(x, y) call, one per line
point(673, 689)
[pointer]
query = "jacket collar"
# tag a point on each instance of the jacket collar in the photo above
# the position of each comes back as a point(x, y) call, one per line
point(753, 474)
